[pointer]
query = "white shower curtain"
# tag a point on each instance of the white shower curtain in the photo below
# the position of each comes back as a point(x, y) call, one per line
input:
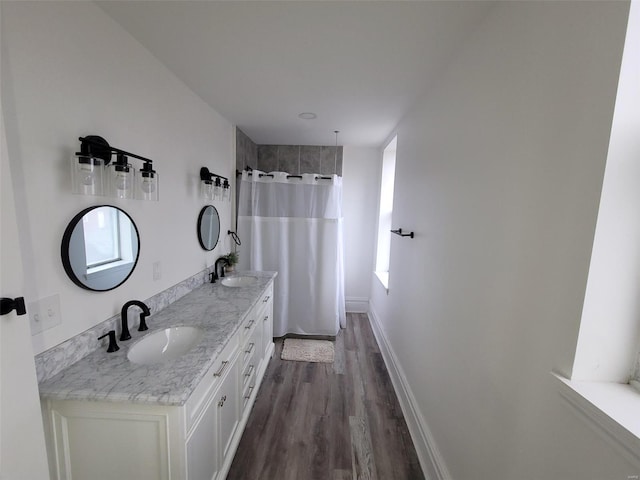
point(294, 226)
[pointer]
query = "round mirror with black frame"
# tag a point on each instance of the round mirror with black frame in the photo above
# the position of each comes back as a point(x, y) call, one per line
point(100, 248)
point(208, 227)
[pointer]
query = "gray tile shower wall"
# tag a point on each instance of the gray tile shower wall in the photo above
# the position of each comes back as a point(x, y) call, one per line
point(246, 151)
point(294, 159)
point(330, 163)
point(310, 159)
point(268, 158)
point(289, 159)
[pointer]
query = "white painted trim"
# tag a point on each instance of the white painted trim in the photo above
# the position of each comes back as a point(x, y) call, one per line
point(357, 304)
point(610, 409)
point(383, 278)
point(431, 460)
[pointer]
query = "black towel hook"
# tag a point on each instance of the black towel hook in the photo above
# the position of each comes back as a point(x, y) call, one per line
point(399, 232)
point(235, 237)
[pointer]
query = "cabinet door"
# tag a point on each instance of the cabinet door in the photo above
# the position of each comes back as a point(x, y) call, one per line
point(107, 441)
point(202, 462)
point(228, 405)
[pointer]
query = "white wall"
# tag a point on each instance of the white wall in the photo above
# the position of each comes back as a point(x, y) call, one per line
point(360, 172)
point(498, 172)
point(22, 446)
point(609, 329)
point(69, 70)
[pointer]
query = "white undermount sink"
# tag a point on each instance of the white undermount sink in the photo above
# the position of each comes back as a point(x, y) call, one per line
point(238, 281)
point(164, 345)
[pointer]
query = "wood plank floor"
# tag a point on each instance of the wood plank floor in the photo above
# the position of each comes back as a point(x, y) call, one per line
point(318, 421)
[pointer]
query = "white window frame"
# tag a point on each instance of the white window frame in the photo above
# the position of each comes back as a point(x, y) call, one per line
point(126, 251)
point(114, 236)
point(599, 387)
point(385, 213)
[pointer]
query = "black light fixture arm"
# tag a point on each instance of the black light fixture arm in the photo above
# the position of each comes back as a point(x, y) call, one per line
point(105, 147)
point(205, 174)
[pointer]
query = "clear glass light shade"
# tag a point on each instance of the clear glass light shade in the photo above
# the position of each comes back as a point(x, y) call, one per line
point(226, 190)
point(147, 186)
point(87, 175)
point(206, 190)
point(217, 189)
point(121, 181)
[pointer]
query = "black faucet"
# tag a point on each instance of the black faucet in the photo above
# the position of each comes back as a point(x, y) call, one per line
point(214, 274)
point(125, 335)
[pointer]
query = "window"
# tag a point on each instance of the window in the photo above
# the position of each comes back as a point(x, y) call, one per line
point(386, 212)
point(101, 237)
point(108, 242)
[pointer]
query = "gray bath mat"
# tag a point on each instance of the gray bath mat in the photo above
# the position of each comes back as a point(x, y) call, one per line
point(303, 350)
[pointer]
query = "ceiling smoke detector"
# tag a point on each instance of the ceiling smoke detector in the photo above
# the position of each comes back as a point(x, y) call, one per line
point(308, 116)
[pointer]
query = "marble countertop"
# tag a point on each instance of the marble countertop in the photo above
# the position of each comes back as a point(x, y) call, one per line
point(100, 376)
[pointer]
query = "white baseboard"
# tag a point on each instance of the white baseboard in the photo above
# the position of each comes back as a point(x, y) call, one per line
point(357, 304)
point(431, 461)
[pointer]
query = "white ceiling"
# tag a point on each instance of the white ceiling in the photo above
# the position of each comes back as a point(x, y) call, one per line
point(358, 65)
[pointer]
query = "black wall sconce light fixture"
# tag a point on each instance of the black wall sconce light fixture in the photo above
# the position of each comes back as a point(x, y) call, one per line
point(93, 172)
point(214, 186)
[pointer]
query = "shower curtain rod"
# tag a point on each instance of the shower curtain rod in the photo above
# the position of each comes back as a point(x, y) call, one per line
point(249, 171)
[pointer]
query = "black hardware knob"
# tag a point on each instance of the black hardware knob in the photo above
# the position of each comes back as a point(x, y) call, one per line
point(9, 304)
point(113, 346)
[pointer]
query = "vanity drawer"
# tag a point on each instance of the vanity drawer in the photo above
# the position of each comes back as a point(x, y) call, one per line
point(249, 351)
point(267, 298)
point(249, 384)
point(249, 326)
point(248, 373)
point(198, 399)
point(255, 316)
point(252, 345)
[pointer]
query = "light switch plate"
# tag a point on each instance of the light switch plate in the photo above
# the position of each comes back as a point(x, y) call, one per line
point(157, 270)
point(44, 314)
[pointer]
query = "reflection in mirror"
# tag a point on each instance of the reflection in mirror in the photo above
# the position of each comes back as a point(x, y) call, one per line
point(100, 248)
point(208, 227)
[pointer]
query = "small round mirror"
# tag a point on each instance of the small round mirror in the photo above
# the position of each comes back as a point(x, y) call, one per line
point(208, 227)
point(100, 248)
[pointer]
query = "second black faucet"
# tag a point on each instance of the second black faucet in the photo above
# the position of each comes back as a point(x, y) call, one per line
point(125, 335)
point(214, 275)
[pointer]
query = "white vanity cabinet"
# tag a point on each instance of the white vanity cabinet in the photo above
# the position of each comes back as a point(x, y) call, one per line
point(209, 443)
point(138, 441)
point(215, 413)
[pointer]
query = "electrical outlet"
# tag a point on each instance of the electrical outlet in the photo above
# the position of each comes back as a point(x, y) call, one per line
point(157, 271)
point(44, 314)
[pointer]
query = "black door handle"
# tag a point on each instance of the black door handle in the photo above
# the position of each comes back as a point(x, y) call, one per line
point(9, 304)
